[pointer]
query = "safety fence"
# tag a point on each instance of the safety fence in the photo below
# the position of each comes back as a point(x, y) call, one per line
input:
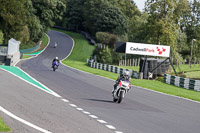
point(182, 82)
point(3, 50)
point(129, 62)
point(29, 50)
point(110, 68)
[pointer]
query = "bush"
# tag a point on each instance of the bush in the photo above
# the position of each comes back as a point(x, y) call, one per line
point(107, 38)
point(104, 55)
point(1, 37)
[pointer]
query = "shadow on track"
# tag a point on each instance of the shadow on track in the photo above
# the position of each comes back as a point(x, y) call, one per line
point(99, 100)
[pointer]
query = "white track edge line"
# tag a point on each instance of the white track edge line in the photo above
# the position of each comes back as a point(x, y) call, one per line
point(30, 82)
point(23, 121)
point(110, 127)
point(55, 94)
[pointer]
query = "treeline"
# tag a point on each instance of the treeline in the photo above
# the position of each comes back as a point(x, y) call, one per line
point(27, 20)
point(166, 22)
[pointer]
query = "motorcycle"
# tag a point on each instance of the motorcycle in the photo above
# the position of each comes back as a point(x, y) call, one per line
point(55, 65)
point(121, 90)
point(55, 45)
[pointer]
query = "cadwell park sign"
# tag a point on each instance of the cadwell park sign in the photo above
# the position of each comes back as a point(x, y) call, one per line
point(147, 49)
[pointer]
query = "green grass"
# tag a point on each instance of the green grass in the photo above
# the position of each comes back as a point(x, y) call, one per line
point(83, 48)
point(3, 126)
point(27, 45)
point(45, 41)
point(193, 75)
point(193, 72)
point(26, 56)
point(80, 52)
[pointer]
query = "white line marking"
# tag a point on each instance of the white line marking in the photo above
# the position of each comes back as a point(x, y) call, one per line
point(50, 91)
point(93, 116)
point(23, 121)
point(110, 127)
point(85, 112)
point(79, 109)
point(73, 105)
point(118, 132)
point(65, 100)
point(102, 121)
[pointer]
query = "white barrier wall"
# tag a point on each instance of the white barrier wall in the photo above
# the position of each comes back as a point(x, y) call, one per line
point(13, 51)
point(13, 46)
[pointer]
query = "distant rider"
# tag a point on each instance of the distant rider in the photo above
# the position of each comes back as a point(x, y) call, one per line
point(124, 76)
point(55, 45)
point(56, 59)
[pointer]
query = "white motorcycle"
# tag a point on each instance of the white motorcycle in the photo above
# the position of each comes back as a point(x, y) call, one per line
point(121, 90)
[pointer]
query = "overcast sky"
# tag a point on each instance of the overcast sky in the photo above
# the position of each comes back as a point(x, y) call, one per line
point(140, 4)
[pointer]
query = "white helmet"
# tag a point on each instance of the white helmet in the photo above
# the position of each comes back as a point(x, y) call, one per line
point(126, 73)
point(56, 58)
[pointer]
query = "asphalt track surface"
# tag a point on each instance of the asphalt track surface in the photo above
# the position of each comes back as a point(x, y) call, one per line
point(142, 111)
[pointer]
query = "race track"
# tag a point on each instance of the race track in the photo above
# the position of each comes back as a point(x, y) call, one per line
point(142, 111)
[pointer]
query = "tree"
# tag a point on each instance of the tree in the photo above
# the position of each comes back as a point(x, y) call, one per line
point(91, 11)
point(33, 23)
point(137, 31)
point(74, 14)
point(1, 37)
point(104, 55)
point(12, 19)
point(164, 16)
point(128, 7)
point(190, 25)
point(111, 20)
point(49, 11)
point(107, 39)
point(108, 17)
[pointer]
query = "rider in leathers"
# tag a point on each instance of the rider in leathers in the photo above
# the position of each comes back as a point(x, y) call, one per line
point(56, 59)
point(125, 75)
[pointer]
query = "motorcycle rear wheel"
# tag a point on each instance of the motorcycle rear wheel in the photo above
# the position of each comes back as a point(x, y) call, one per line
point(54, 68)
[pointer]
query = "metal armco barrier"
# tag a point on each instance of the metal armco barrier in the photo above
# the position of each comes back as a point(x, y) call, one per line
point(110, 68)
point(182, 82)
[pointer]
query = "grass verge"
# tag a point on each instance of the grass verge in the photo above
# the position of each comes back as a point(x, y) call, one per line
point(45, 41)
point(3, 126)
point(193, 72)
point(82, 50)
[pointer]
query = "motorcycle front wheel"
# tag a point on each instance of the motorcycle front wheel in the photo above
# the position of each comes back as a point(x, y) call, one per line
point(54, 68)
point(114, 100)
point(121, 96)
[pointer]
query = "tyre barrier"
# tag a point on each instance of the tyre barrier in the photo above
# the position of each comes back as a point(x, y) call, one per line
point(113, 69)
point(186, 83)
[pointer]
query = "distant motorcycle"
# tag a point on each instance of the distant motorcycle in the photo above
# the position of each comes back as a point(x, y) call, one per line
point(55, 45)
point(55, 65)
point(122, 88)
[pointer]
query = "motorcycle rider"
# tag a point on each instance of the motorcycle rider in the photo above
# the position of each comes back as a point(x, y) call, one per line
point(124, 76)
point(56, 59)
point(55, 45)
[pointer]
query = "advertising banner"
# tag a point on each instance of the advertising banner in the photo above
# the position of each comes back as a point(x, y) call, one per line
point(147, 49)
